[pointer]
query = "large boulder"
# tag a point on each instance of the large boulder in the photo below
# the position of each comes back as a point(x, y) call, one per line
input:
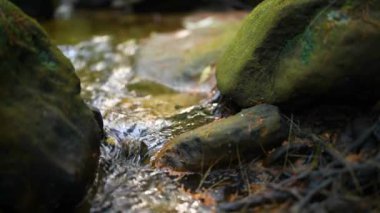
point(296, 52)
point(238, 137)
point(49, 139)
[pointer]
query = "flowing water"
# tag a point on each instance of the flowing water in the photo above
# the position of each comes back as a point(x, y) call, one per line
point(141, 111)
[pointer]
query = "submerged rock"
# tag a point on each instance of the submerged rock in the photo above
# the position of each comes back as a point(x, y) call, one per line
point(178, 59)
point(49, 139)
point(249, 132)
point(298, 52)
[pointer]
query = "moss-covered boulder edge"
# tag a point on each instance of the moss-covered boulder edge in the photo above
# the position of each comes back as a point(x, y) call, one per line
point(49, 139)
point(297, 52)
point(245, 135)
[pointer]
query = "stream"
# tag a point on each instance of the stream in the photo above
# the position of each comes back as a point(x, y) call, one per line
point(141, 72)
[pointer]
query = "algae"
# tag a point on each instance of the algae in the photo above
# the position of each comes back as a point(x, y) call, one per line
point(342, 63)
point(301, 52)
point(250, 58)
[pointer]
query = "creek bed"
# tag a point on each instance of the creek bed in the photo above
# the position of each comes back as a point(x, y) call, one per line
point(139, 113)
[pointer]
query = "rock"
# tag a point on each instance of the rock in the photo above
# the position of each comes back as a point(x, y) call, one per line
point(248, 133)
point(297, 52)
point(99, 119)
point(178, 59)
point(49, 139)
point(146, 87)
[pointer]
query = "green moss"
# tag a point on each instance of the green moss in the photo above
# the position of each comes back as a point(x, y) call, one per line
point(251, 55)
point(17, 28)
point(341, 60)
point(300, 50)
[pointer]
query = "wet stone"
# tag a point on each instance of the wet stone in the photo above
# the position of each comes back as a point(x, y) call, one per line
point(294, 54)
point(244, 135)
point(49, 139)
point(177, 60)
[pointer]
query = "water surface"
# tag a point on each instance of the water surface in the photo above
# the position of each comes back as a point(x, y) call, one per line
point(140, 113)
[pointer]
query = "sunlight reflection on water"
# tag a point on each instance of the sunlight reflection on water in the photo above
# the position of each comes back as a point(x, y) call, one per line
point(139, 119)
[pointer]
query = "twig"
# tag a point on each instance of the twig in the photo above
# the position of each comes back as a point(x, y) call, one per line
point(243, 174)
point(341, 159)
point(289, 140)
point(291, 180)
point(206, 174)
point(362, 139)
point(311, 194)
point(256, 200)
point(290, 190)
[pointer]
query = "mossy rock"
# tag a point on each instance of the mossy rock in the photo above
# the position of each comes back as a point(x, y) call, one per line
point(49, 139)
point(239, 137)
point(298, 52)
